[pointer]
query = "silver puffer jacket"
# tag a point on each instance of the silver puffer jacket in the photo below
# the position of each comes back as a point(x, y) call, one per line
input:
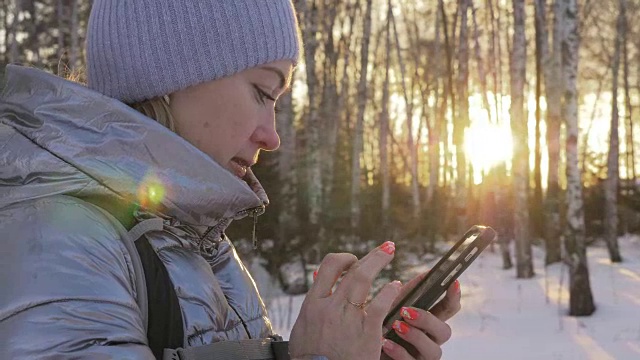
point(66, 279)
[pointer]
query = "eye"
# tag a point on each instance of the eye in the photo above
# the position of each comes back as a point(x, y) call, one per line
point(263, 96)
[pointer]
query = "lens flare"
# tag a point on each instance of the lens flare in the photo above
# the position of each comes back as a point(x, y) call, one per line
point(151, 191)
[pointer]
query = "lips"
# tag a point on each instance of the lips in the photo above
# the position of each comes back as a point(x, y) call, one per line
point(239, 167)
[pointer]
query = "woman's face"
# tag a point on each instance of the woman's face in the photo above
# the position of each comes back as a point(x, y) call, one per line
point(233, 118)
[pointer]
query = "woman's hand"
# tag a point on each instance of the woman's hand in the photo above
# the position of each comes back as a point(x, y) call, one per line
point(341, 325)
point(426, 331)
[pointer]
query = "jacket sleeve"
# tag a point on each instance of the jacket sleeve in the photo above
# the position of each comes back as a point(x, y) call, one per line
point(67, 285)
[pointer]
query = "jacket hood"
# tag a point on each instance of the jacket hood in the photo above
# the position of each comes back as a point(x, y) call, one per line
point(58, 137)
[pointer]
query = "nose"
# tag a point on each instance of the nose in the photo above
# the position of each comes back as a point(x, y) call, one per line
point(266, 135)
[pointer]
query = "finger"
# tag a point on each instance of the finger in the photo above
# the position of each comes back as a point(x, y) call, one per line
point(428, 323)
point(330, 270)
point(426, 347)
point(395, 351)
point(381, 304)
point(450, 304)
point(355, 286)
point(408, 286)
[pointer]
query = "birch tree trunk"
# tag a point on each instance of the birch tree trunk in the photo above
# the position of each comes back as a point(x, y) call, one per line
point(493, 58)
point(537, 214)
point(613, 173)
point(287, 220)
point(33, 33)
point(630, 158)
point(461, 121)
point(328, 111)
point(60, 9)
point(435, 124)
point(524, 263)
point(449, 91)
point(309, 15)
point(384, 132)
point(480, 63)
point(74, 54)
point(580, 296)
point(4, 23)
point(359, 128)
point(554, 86)
point(413, 156)
point(13, 44)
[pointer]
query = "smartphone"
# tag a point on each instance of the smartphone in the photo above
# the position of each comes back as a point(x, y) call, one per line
point(434, 285)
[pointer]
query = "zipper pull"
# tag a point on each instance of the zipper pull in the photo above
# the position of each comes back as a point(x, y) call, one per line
point(255, 223)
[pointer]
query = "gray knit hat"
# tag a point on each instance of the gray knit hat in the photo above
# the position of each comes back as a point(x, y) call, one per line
point(141, 49)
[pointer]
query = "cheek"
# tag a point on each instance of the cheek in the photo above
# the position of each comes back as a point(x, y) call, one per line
point(220, 124)
point(227, 129)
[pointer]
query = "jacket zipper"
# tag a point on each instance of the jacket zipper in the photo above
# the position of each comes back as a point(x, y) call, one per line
point(254, 212)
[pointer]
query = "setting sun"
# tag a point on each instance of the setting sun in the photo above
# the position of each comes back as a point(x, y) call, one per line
point(487, 145)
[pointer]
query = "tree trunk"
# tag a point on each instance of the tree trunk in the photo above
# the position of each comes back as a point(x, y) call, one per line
point(309, 16)
point(14, 52)
point(434, 128)
point(359, 128)
point(329, 109)
point(384, 133)
point(449, 96)
point(482, 76)
point(74, 54)
point(413, 157)
point(613, 173)
point(499, 79)
point(60, 9)
point(524, 263)
point(552, 63)
point(537, 213)
point(580, 296)
point(461, 121)
point(33, 34)
point(287, 219)
point(630, 158)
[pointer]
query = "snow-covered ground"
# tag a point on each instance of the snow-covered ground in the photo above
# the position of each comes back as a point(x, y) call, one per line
point(506, 318)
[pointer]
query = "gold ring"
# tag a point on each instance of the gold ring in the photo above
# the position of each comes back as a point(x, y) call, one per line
point(359, 305)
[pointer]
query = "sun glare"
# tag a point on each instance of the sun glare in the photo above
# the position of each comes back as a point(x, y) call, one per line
point(486, 146)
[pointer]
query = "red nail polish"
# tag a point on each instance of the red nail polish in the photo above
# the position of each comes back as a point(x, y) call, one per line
point(389, 247)
point(456, 286)
point(408, 313)
point(400, 327)
point(315, 275)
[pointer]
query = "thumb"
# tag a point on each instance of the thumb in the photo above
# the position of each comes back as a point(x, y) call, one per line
point(381, 304)
point(404, 290)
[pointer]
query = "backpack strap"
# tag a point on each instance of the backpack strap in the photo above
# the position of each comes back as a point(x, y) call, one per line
point(160, 311)
point(166, 328)
point(155, 295)
point(130, 239)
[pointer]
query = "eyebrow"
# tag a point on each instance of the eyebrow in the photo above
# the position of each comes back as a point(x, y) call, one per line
point(283, 79)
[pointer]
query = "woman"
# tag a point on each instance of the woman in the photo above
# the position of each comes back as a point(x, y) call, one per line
point(78, 162)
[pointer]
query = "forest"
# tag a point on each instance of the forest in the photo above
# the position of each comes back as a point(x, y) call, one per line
point(412, 120)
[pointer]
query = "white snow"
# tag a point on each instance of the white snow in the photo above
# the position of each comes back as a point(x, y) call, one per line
point(507, 318)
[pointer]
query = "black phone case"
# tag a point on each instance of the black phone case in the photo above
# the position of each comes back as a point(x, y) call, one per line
point(443, 279)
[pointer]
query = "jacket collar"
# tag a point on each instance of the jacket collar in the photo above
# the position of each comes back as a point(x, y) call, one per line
point(116, 151)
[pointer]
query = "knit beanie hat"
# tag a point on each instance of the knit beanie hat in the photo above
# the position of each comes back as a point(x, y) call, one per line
point(141, 49)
